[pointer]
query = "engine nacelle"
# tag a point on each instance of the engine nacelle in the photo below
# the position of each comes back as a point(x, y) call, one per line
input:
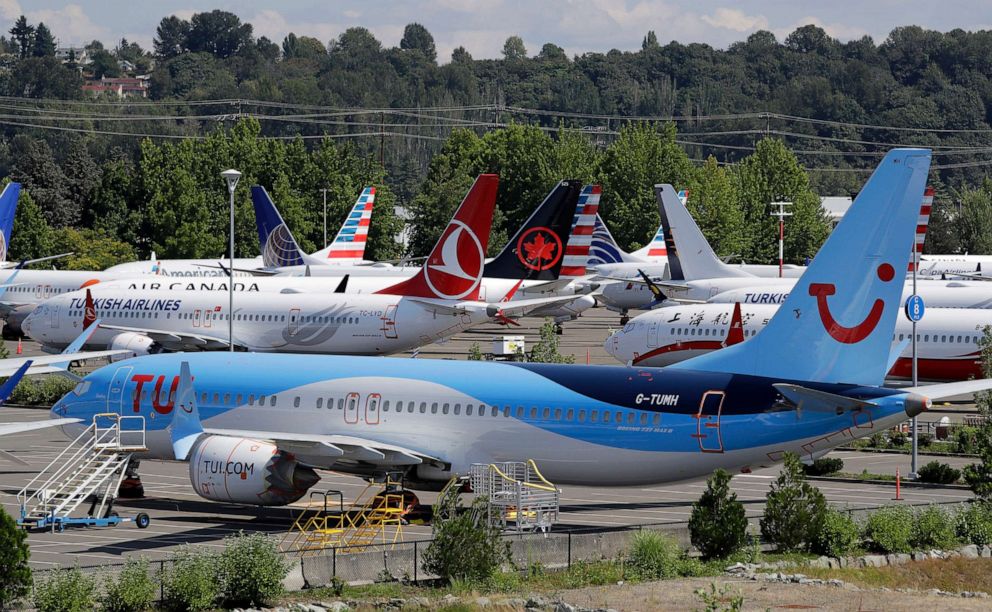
point(246, 471)
point(135, 344)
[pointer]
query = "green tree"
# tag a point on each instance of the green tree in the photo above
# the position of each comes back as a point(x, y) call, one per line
point(718, 526)
point(794, 509)
point(22, 33)
point(514, 49)
point(547, 349)
point(467, 545)
point(715, 207)
point(15, 579)
point(43, 44)
point(974, 223)
point(302, 47)
point(979, 475)
point(43, 77)
point(91, 249)
point(219, 33)
point(32, 237)
point(104, 64)
point(417, 38)
point(170, 37)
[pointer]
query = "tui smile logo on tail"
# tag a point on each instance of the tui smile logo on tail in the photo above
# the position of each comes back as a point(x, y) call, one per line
point(539, 248)
point(857, 333)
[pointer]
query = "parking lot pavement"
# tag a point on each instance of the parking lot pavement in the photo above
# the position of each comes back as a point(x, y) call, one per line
point(179, 516)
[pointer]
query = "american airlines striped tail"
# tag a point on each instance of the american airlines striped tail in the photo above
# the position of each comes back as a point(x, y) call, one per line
point(577, 250)
point(349, 244)
point(656, 251)
point(923, 224)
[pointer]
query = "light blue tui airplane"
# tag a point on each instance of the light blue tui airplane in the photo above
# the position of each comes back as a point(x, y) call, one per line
point(254, 426)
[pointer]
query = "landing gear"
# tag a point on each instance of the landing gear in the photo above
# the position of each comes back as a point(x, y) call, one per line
point(624, 318)
point(131, 487)
point(559, 329)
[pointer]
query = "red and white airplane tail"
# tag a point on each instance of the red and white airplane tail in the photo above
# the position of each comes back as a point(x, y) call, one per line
point(577, 248)
point(455, 266)
point(922, 224)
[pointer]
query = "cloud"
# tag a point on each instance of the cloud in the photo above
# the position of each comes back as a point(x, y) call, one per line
point(10, 9)
point(71, 25)
point(736, 20)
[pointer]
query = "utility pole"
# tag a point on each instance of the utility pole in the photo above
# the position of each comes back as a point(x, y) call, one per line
point(231, 178)
point(781, 214)
point(324, 191)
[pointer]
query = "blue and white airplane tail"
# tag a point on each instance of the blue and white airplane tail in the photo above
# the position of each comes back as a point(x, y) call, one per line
point(836, 325)
point(603, 249)
point(8, 207)
point(279, 247)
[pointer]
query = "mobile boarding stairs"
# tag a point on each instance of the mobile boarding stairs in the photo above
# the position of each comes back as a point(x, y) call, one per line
point(90, 469)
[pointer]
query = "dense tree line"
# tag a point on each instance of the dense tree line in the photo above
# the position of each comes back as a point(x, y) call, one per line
point(164, 194)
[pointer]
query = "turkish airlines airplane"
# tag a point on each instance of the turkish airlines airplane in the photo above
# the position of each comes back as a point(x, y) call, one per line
point(442, 300)
point(706, 278)
point(947, 339)
point(269, 420)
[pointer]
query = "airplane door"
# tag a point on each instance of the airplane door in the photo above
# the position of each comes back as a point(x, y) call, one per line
point(196, 317)
point(653, 334)
point(372, 408)
point(389, 322)
point(708, 422)
point(54, 312)
point(294, 322)
point(115, 394)
point(351, 408)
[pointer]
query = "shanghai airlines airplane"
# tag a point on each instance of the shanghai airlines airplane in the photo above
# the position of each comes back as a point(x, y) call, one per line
point(269, 420)
point(947, 339)
point(706, 277)
point(440, 301)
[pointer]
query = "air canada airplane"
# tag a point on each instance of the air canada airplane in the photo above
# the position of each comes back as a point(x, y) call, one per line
point(441, 300)
point(254, 426)
point(947, 338)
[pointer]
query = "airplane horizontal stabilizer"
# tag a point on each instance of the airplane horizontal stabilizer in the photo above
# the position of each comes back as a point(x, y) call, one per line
point(804, 398)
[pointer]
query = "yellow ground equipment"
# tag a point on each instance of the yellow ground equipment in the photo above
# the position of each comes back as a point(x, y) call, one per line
point(518, 491)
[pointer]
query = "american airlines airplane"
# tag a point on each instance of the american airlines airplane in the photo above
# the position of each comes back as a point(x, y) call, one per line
point(441, 300)
point(253, 427)
point(947, 339)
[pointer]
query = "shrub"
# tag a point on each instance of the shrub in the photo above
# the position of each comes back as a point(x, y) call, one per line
point(466, 546)
point(965, 439)
point(192, 582)
point(974, 524)
point(794, 509)
point(877, 440)
point(41, 391)
point(897, 437)
point(837, 536)
point(939, 473)
point(251, 570)
point(889, 530)
point(824, 466)
point(65, 590)
point(653, 555)
point(133, 590)
point(924, 439)
point(933, 528)
point(15, 578)
point(718, 527)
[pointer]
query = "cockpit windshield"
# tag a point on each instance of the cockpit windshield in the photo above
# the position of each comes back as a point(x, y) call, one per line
point(81, 388)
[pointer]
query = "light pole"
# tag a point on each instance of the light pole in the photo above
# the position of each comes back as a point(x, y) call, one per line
point(231, 176)
point(781, 214)
point(324, 191)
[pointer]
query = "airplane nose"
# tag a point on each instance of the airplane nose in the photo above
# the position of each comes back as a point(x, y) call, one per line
point(610, 344)
point(26, 324)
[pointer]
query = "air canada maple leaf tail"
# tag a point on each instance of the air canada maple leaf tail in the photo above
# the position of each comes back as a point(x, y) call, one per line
point(836, 325)
point(8, 206)
point(453, 271)
point(537, 250)
point(279, 247)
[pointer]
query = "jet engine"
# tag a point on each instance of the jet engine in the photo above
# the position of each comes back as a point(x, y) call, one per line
point(245, 471)
point(136, 344)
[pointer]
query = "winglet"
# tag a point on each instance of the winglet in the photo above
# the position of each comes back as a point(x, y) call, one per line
point(185, 427)
point(455, 267)
point(343, 285)
point(659, 295)
point(8, 386)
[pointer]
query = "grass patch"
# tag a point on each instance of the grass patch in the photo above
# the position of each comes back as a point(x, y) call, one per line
point(954, 575)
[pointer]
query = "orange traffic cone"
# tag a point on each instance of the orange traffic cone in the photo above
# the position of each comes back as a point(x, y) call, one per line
point(20, 349)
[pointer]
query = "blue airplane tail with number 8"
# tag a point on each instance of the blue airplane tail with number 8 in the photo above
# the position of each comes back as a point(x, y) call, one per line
point(836, 325)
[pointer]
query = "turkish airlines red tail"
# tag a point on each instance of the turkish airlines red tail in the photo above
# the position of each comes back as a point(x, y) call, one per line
point(454, 269)
point(89, 312)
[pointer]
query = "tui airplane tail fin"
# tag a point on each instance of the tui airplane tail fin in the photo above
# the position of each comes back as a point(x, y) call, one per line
point(836, 325)
point(8, 207)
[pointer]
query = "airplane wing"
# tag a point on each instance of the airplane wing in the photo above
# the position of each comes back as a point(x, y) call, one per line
point(47, 364)
point(324, 450)
point(27, 262)
point(547, 286)
point(174, 340)
point(442, 306)
point(963, 387)
point(522, 308)
point(12, 428)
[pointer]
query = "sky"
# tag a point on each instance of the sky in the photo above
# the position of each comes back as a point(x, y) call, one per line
point(481, 26)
